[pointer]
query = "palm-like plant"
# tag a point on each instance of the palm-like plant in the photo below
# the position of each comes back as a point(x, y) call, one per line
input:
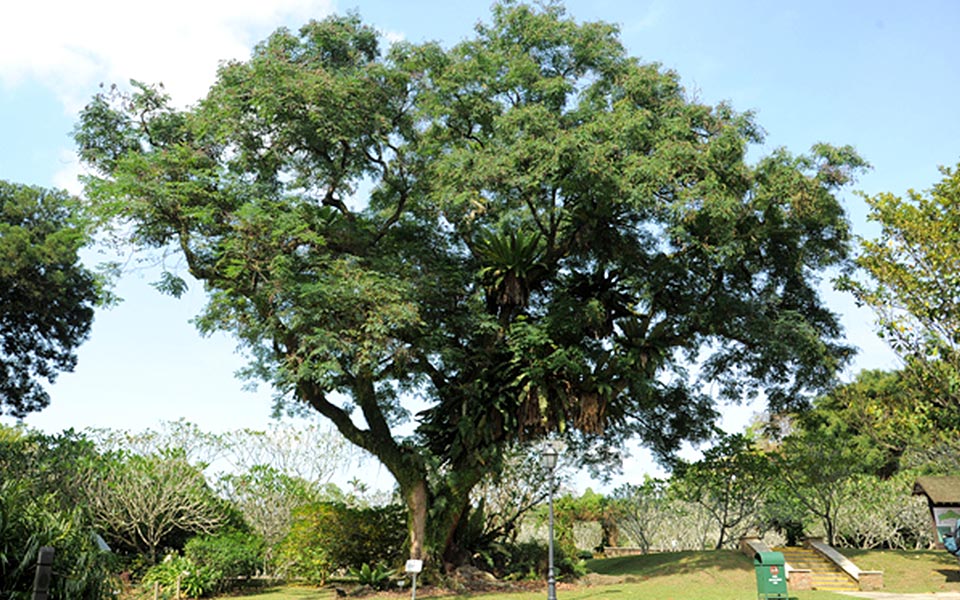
point(511, 268)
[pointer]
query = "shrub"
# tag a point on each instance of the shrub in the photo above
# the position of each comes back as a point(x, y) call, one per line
point(372, 536)
point(329, 536)
point(378, 577)
point(529, 560)
point(178, 576)
point(28, 522)
point(231, 553)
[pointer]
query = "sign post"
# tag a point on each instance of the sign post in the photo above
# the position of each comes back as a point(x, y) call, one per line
point(41, 581)
point(414, 567)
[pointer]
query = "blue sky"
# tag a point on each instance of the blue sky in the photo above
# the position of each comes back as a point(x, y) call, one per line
point(881, 75)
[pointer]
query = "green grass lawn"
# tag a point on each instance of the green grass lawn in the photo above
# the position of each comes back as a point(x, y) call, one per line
point(918, 571)
point(718, 575)
point(292, 593)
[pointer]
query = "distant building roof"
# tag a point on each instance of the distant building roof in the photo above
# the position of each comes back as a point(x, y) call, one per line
point(940, 491)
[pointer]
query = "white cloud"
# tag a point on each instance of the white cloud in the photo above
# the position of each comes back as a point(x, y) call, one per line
point(392, 37)
point(71, 46)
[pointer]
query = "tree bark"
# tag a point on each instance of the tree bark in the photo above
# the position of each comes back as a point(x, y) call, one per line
point(417, 500)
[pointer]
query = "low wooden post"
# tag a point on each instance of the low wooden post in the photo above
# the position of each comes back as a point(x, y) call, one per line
point(41, 581)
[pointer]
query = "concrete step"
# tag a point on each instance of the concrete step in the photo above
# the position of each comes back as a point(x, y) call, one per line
point(824, 574)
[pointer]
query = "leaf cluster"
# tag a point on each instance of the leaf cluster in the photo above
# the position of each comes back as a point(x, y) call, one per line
point(912, 283)
point(47, 296)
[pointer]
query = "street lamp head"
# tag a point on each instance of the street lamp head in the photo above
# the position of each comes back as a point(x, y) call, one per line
point(548, 456)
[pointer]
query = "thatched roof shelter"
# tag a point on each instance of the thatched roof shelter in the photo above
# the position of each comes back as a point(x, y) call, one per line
point(940, 491)
point(943, 498)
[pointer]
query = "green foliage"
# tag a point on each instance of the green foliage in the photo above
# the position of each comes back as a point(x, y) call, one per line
point(209, 565)
point(327, 536)
point(46, 296)
point(178, 577)
point(28, 522)
point(554, 233)
point(568, 510)
point(529, 561)
point(42, 504)
point(48, 464)
point(881, 414)
point(231, 554)
point(730, 482)
point(914, 289)
point(378, 577)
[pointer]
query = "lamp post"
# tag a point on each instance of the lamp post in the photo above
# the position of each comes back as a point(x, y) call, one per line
point(548, 459)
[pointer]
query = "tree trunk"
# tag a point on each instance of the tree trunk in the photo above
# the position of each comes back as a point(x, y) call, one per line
point(723, 538)
point(409, 469)
point(417, 500)
point(437, 539)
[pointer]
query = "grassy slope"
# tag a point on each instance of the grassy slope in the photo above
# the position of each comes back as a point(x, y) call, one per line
point(919, 571)
point(720, 575)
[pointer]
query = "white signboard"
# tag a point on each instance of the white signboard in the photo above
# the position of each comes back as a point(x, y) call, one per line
point(414, 566)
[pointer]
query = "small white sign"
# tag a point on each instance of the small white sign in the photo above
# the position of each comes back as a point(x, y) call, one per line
point(414, 566)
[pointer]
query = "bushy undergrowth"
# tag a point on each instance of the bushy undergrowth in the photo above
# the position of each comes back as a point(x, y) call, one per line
point(329, 536)
point(210, 564)
point(29, 522)
point(232, 554)
point(178, 576)
point(527, 561)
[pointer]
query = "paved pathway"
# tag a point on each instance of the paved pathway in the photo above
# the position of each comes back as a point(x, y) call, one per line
point(893, 596)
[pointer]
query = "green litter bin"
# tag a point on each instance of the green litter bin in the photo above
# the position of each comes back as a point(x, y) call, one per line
point(771, 575)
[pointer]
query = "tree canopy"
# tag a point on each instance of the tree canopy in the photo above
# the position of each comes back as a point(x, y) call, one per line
point(47, 296)
point(913, 286)
point(532, 232)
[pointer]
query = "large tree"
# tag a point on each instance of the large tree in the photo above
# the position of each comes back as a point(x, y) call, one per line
point(47, 297)
point(531, 231)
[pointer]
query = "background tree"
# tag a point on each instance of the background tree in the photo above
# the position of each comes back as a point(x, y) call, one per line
point(940, 456)
point(553, 233)
point(196, 446)
point(265, 475)
point(815, 467)
point(639, 511)
point(883, 513)
point(730, 482)
point(268, 499)
point(48, 464)
point(274, 472)
point(914, 288)
point(885, 416)
point(46, 296)
point(505, 498)
point(141, 500)
point(303, 449)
